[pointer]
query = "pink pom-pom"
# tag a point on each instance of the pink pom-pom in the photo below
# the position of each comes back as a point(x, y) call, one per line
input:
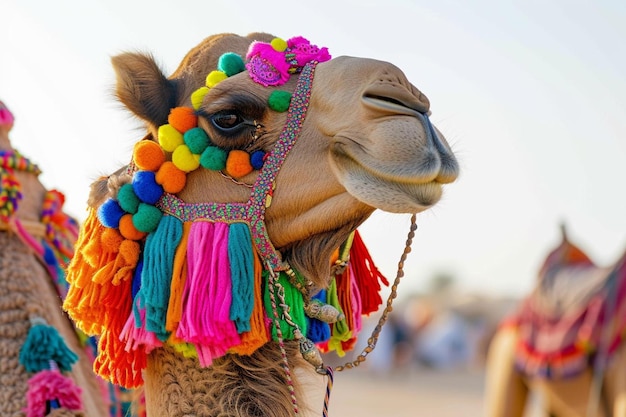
point(51, 385)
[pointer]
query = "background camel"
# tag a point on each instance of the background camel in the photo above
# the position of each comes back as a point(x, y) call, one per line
point(208, 262)
point(36, 242)
point(565, 343)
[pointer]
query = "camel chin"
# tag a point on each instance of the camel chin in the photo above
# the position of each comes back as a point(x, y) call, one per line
point(389, 196)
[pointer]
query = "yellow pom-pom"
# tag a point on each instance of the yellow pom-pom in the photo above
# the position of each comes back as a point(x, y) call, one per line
point(197, 97)
point(169, 137)
point(214, 78)
point(148, 155)
point(279, 44)
point(184, 160)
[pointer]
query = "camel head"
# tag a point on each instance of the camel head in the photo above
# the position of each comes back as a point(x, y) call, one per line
point(366, 142)
point(256, 131)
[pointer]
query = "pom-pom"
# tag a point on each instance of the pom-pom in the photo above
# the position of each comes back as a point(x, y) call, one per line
point(6, 117)
point(182, 118)
point(184, 159)
point(238, 163)
point(146, 188)
point(148, 155)
point(198, 96)
point(127, 199)
point(43, 344)
point(279, 100)
point(128, 229)
point(111, 240)
point(213, 158)
point(110, 213)
point(257, 159)
point(214, 78)
point(169, 137)
point(147, 218)
point(231, 63)
point(51, 386)
point(196, 139)
point(172, 179)
point(279, 44)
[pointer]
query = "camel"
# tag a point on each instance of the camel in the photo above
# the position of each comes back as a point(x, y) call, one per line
point(36, 239)
point(220, 264)
point(565, 343)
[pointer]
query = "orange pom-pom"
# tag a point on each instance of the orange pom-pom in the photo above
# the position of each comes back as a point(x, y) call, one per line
point(182, 118)
point(172, 179)
point(148, 155)
point(238, 163)
point(128, 229)
point(111, 240)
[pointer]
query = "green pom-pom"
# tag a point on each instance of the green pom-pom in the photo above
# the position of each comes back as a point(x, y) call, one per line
point(279, 100)
point(231, 64)
point(213, 158)
point(196, 140)
point(147, 218)
point(44, 343)
point(127, 198)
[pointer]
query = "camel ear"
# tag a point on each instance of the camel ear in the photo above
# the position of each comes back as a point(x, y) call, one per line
point(142, 87)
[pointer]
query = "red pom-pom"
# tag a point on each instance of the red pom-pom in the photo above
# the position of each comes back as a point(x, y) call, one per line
point(148, 155)
point(182, 119)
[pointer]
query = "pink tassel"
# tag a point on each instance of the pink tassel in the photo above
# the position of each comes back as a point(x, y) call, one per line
point(138, 337)
point(50, 385)
point(357, 306)
point(205, 321)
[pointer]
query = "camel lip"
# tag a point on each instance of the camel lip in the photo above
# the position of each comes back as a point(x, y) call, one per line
point(408, 196)
point(349, 149)
point(398, 100)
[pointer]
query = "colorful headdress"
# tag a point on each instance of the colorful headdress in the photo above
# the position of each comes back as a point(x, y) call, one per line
point(151, 269)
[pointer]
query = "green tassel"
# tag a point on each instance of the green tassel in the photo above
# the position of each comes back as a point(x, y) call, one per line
point(156, 275)
point(293, 299)
point(43, 344)
point(241, 260)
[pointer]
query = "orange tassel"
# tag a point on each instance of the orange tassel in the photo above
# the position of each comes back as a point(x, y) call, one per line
point(179, 277)
point(258, 334)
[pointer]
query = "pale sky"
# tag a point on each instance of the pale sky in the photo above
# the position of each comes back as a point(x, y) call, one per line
point(530, 94)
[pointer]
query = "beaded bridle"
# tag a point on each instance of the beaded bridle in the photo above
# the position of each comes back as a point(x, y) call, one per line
point(252, 215)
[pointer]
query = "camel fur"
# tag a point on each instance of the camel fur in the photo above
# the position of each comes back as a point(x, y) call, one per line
point(365, 144)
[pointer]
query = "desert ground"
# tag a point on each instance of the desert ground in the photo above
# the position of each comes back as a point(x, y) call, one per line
point(416, 393)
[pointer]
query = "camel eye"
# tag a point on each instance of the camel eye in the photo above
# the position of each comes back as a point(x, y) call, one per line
point(227, 121)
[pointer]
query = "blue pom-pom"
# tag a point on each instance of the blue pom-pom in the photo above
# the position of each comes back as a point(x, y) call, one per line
point(110, 213)
point(146, 187)
point(147, 218)
point(257, 159)
point(230, 63)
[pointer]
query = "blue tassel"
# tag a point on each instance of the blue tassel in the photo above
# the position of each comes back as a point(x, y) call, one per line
point(241, 261)
point(318, 330)
point(156, 276)
point(43, 344)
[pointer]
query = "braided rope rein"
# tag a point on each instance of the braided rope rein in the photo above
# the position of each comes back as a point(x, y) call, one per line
point(371, 341)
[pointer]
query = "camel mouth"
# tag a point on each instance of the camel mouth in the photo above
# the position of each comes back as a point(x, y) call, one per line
point(386, 191)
